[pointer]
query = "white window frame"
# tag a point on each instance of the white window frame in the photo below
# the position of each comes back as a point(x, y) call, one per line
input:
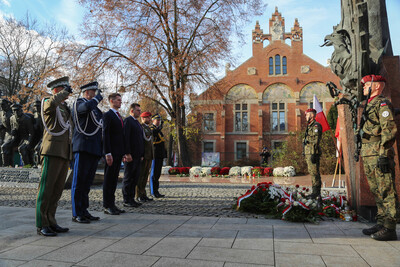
point(208, 141)
point(241, 116)
point(278, 110)
point(215, 121)
point(235, 148)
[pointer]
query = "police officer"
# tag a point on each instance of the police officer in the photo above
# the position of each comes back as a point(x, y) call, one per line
point(159, 154)
point(378, 136)
point(55, 156)
point(87, 149)
point(312, 150)
point(22, 131)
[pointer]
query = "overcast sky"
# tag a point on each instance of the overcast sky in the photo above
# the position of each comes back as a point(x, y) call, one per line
point(317, 17)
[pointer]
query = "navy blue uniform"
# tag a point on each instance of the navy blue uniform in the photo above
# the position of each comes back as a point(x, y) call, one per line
point(87, 149)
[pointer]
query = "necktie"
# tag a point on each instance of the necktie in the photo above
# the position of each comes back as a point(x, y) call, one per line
point(120, 118)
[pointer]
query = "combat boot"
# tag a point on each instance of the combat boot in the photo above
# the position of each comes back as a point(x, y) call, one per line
point(372, 230)
point(385, 234)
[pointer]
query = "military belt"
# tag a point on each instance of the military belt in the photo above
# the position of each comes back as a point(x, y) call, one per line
point(371, 139)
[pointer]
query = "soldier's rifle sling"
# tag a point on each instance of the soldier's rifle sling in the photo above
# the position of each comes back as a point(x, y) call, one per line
point(358, 133)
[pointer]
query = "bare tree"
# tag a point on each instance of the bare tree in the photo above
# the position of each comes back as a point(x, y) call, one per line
point(29, 54)
point(166, 47)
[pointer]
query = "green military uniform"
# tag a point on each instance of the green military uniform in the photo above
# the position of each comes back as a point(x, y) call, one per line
point(378, 136)
point(56, 153)
point(146, 162)
point(312, 152)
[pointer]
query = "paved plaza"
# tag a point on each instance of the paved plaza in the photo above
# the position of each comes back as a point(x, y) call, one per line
point(194, 225)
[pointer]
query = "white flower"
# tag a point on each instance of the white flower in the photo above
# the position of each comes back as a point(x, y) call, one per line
point(206, 171)
point(234, 171)
point(289, 171)
point(278, 172)
point(246, 170)
point(195, 171)
point(295, 203)
point(164, 170)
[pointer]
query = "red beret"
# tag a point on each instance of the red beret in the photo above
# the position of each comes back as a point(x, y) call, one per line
point(311, 110)
point(375, 78)
point(145, 114)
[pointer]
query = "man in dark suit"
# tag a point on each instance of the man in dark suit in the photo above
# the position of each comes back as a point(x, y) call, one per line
point(134, 148)
point(87, 149)
point(114, 150)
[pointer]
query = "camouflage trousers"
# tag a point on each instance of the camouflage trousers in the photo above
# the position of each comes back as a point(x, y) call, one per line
point(313, 170)
point(382, 187)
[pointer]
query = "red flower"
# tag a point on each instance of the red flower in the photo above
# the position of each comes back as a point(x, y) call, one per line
point(344, 198)
point(334, 199)
point(297, 186)
point(264, 189)
point(307, 190)
point(224, 171)
point(255, 192)
point(304, 188)
point(215, 170)
point(253, 187)
point(283, 199)
point(321, 213)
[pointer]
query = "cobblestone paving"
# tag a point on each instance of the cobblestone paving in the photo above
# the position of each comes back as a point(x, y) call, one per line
point(181, 199)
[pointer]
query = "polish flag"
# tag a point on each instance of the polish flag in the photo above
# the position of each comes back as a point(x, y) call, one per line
point(337, 135)
point(320, 115)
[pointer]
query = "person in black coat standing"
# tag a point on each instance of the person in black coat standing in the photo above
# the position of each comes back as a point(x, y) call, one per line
point(87, 149)
point(134, 148)
point(114, 151)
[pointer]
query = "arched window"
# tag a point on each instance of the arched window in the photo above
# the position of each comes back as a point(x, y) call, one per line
point(271, 66)
point(277, 64)
point(284, 65)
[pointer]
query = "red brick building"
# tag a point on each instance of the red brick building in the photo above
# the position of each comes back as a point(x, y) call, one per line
point(263, 99)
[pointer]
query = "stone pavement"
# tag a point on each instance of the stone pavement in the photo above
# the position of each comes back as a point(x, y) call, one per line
point(136, 239)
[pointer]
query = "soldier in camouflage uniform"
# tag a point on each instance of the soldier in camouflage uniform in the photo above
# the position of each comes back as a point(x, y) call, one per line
point(312, 151)
point(378, 136)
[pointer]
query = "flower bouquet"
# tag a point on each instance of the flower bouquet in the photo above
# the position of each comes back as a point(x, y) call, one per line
point(234, 171)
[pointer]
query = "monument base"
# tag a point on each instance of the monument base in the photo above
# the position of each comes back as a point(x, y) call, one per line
point(368, 212)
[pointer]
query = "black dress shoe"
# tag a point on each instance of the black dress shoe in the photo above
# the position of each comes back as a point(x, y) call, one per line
point(128, 204)
point(119, 210)
point(90, 217)
point(147, 198)
point(158, 195)
point(46, 231)
point(136, 204)
point(111, 211)
point(58, 229)
point(80, 219)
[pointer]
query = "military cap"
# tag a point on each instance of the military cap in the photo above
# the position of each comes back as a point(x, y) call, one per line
point(90, 86)
point(372, 77)
point(311, 110)
point(145, 114)
point(16, 106)
point(156, 117)
point(64, 81)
